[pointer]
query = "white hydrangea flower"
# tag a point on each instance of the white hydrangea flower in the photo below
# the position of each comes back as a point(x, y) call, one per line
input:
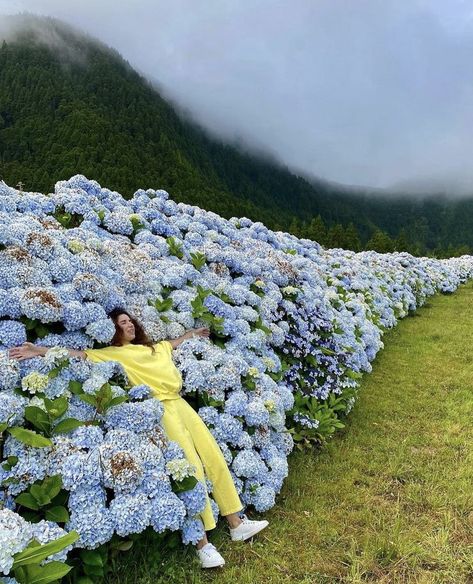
point(34, 382)
point(270, 405)
point(75, 246)
point(56, 356)
point(180, 468)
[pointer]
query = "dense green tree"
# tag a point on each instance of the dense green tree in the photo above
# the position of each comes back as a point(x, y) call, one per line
point(336, 236)
point(352, 239)
point(317, 231)
point(295, 227)
point(401, 242)
point(380, 242)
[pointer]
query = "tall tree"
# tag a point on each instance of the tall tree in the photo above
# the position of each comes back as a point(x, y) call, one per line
point(352, 239)
point(380, 242)
point(317, 231)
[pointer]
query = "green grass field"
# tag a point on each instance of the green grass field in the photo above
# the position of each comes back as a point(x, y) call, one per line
point(388, 500)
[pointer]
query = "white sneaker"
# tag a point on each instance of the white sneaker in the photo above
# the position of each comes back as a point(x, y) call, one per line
point(247, 529)
point(209, 557)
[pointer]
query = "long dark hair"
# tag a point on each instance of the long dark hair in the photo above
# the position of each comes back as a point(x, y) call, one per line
point(141, 338)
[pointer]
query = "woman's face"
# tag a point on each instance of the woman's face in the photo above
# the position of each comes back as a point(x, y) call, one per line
point(126, 328)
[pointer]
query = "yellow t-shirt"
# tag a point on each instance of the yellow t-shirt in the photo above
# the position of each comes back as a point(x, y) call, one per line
point(142, 366)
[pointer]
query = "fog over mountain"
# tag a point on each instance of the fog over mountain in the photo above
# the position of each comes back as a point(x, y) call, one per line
point(362, 93)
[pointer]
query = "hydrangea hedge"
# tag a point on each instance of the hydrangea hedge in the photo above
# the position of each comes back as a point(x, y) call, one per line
point(293, 327)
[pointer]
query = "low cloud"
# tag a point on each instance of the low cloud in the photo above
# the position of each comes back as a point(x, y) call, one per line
point(362, 93)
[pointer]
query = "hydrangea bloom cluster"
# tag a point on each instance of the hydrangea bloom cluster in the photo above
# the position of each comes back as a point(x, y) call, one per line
point(16, 534)
point(294, 326)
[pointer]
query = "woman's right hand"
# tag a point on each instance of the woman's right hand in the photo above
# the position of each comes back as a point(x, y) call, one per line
point(200, 332)
point(25, 351)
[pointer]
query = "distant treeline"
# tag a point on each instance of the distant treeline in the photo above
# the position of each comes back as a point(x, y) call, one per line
point(85, 110)
point(348, 237)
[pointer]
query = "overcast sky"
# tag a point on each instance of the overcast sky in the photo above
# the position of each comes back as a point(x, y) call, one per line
point(362, 92)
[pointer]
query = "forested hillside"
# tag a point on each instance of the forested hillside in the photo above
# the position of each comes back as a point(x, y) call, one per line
point(78, 107)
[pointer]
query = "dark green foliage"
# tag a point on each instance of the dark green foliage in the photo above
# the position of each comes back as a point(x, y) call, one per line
point(381, 242)
point(27, 567)
point(80, 108)
point(316, 230)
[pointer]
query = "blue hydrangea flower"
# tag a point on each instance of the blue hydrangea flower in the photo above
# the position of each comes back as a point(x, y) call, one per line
point(42, 304)
point(15, 535)
point(9, 376)
point(75, 315)
point(248, 463)
point(167, 512)
point(140, 392)
point(130, 513)
point(57, 386)
point(78, 469)
point(135, 416)
point(87, 437)
point(87, 496)
point(194, 500)
point(32, 465)
point(12, 407)
point(12, 333)
point(94, 524)
point(10, 302)
point(102, 330)
point(256, 413)
point(192, 531)
point(47, 531)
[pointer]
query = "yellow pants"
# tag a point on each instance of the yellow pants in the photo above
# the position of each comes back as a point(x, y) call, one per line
point(183, 425)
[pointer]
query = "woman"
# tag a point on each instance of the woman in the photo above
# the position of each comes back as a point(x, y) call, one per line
point(151, 364)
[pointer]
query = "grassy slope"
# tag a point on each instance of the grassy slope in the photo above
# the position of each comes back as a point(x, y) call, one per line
point(389, 500)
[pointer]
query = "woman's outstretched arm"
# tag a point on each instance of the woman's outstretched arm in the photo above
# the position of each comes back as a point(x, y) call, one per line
point(28, 351)
point(198, 332)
